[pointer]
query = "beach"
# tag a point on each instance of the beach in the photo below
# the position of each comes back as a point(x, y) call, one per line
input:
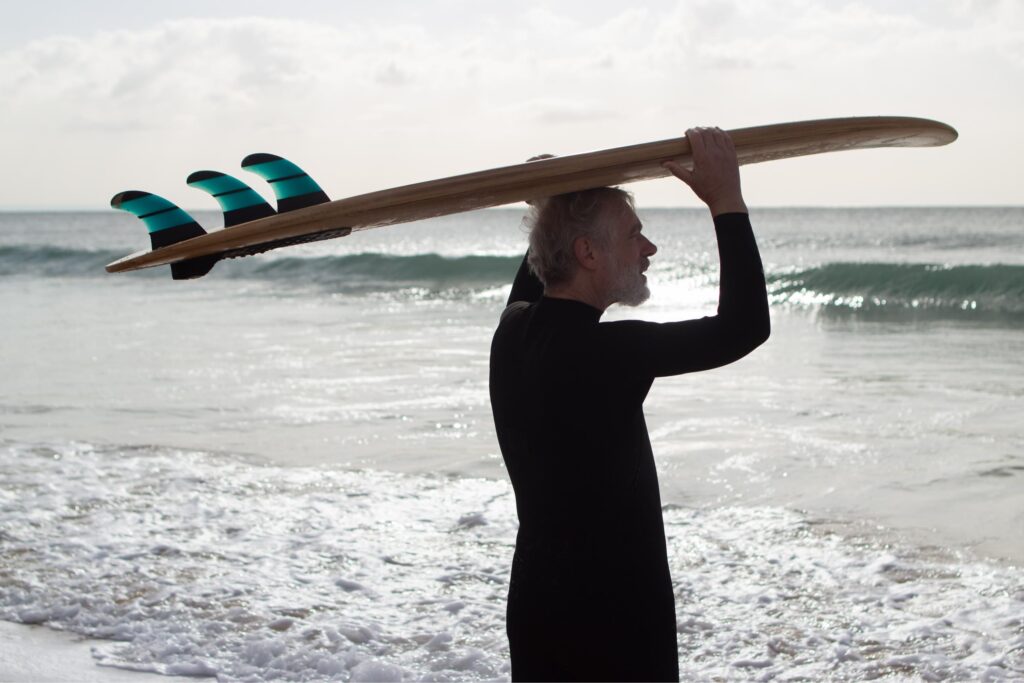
point(38, 654)
point(287, 470)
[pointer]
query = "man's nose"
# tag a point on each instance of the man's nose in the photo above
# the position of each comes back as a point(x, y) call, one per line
point(650, 248)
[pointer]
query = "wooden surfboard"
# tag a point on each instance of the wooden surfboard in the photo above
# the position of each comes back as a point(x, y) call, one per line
point(525, 181)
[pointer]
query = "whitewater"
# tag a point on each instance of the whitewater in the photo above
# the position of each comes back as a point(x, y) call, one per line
point(288, 469)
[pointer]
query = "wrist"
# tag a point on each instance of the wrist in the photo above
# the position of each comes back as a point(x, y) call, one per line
point(732, 205)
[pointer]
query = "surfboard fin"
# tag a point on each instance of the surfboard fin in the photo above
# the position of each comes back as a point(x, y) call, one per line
point(239, 202)
point(293, 188)
point(167, 224)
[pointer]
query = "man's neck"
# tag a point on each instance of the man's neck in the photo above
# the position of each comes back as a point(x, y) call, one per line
point(579, 290)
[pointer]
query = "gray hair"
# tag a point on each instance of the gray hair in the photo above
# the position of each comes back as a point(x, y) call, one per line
point(556, 223)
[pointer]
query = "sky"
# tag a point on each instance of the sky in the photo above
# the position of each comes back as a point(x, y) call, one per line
point(99, 97)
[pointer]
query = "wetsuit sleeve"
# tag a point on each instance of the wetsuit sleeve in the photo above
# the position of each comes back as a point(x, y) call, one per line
point(741, 325)
point(526, 286)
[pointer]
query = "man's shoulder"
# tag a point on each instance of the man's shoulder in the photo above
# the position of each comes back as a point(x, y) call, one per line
point(515, 309)
point(508, 335)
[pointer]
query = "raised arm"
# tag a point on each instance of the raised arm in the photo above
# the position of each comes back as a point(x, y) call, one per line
point(742, 322)
point(715, 178)
point(742, 294)
point(527, 286)
point(647, 349)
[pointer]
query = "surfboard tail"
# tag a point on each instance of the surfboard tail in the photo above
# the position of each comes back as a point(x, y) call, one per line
point(167, 224)
point(292, 186)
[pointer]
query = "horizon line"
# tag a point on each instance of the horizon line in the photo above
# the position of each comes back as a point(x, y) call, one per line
point(523, 207)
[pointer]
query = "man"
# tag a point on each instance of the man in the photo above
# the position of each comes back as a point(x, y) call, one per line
point(590, 597)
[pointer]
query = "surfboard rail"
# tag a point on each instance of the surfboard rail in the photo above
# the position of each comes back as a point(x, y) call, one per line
point(546, 177)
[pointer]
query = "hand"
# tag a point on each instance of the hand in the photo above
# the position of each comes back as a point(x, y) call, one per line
point(715, 177)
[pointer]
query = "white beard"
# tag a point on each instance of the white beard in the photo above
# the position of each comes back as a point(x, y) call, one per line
point(630, 288)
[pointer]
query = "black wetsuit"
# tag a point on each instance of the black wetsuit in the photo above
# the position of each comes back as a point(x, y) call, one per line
point(590, 597)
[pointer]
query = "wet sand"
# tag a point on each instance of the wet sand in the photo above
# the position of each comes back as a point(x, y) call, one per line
point(35, 654)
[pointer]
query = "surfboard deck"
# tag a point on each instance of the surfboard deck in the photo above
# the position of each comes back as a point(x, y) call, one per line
point(525, 181)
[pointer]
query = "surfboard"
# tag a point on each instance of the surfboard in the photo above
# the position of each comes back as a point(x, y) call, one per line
point(305, 214)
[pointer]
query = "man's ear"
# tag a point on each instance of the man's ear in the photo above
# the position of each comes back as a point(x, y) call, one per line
point(586, 254)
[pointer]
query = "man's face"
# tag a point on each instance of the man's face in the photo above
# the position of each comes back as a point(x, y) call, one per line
point(628, 256)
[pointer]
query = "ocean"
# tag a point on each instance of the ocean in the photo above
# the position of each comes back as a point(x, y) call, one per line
point(287, 470)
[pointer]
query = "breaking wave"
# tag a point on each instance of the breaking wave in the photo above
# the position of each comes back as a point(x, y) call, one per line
point(993, 289)
point(50, 261)
point(361, 270)
point(341, 272)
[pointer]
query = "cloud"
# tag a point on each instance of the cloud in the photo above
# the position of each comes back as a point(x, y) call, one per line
point(994, 24)
point(554, 111)
point(390, 74)
point(779, 34)
point(178, 69)
point(462, 96)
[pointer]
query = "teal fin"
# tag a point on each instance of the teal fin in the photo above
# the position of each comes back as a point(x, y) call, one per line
point(293, 188)
point(239, 202)
point(167, 224)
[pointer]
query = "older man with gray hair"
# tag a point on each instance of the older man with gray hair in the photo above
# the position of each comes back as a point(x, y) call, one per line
point(590, 596)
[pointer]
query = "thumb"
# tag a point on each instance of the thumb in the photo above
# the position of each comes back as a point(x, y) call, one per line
point(679, 171)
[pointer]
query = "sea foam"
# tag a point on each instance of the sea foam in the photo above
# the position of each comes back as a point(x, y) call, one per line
point(205, 564)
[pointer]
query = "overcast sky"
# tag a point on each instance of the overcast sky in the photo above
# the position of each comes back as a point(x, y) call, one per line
point(99, 97)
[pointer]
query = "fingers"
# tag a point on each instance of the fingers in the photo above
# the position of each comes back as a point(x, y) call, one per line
point(698, 151)
point(723, 142)
point(714, 174)
point(699, 139)
point(679, 171)
point(706, 142)
point(710, 145)
point(697, 142)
